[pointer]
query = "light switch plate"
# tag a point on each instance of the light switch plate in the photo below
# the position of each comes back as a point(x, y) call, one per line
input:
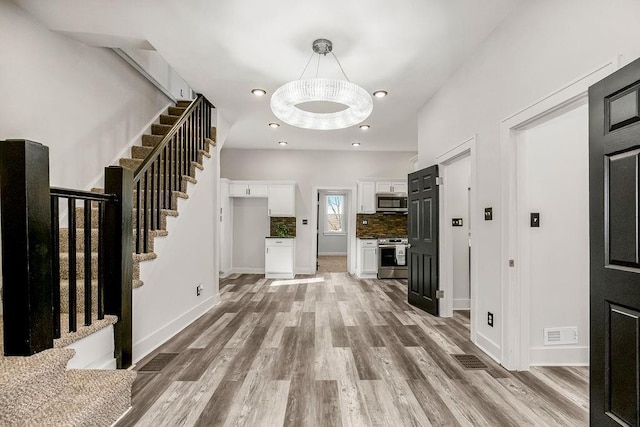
point(488, 214)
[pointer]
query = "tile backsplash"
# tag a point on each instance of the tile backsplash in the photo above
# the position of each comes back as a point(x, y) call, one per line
point(381, 225)
point(290, 222)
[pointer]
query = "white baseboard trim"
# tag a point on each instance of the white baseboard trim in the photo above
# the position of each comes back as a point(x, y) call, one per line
point(305, 271)
point(279, 276)
point(224, 274)
point(332, 254)
point(152, 341)
point(366, 275)
point(94, 351)
point(488, 346)
point(246, 271)
point(462, 304)
point(559, 356)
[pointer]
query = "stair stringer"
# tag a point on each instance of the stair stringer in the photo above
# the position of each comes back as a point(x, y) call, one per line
point(167, 302)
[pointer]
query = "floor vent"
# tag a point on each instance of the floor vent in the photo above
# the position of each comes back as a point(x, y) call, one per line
point(469, 361)
point(159, 362)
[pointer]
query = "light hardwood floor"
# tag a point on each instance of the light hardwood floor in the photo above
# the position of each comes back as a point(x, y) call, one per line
point(330, 350)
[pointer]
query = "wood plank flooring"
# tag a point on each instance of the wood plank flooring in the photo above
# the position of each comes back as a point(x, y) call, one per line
point(331, 350)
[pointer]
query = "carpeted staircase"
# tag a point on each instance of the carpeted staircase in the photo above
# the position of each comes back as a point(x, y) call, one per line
point(39, 390)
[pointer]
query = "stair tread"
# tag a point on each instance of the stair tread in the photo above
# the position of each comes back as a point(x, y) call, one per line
point(89, 397)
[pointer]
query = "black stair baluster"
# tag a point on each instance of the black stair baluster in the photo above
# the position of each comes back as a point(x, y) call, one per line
point(87, 262)
point(158, 191)
point(72, 264)
point(166, 191)
point(152, 195)
point(182, 159)
point(174, 164)
point(55, 264)
point(138, 216)
point(145, 227)
point(101, 255)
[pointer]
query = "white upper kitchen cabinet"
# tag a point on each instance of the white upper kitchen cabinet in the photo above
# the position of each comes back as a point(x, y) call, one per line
point(366, 197)
point(248, 189)
point(282, 199)
point(391, 187)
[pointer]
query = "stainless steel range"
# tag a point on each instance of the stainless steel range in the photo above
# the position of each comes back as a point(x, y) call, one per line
point(392, 258)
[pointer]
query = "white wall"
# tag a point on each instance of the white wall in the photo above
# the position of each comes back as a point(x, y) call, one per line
point(85, 103)
point(250, 227)
point(539, 48)
point(332, 244)
point(167, 302)
point(457, 193)
point(319, 169)
point(555, 183)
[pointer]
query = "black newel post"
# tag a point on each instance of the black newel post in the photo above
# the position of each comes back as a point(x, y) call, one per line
point(25, 209)
point(118, 261)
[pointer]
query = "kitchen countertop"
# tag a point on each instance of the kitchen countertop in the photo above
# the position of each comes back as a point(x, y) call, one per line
point(382, 237)
point(279, 237)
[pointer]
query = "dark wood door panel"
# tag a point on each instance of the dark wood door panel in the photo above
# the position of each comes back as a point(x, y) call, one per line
point(621, 379)
point(614, 141)
point(621, 209)
point(423, 236)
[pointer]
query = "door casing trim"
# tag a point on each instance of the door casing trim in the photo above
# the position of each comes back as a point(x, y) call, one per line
point(352, 202)
point(514, 290)
point(466, 148)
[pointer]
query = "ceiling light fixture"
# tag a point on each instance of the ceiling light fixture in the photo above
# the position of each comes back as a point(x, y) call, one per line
point(365, 127)
point(355, 144)
point(274, 125)
point(286, 99)
point(380, 93)
point(282, 142)
point(259, 92)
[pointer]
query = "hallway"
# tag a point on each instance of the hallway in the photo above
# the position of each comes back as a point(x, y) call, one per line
point(333, 350)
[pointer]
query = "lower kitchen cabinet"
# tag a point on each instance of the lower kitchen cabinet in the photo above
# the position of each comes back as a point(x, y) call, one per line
point(279, 258)
point(367, 258)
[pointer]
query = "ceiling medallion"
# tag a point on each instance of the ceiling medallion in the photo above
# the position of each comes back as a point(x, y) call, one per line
point(286, 99)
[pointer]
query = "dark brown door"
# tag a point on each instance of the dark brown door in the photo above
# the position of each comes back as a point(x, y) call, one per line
point(423, 238)
point(614, 148)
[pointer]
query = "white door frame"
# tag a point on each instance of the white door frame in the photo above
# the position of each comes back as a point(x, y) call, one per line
point(514, 280)
point(351, 231)
point(467, 148)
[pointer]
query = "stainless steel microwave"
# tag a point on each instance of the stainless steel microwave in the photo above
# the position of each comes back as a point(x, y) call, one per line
point(391, 202)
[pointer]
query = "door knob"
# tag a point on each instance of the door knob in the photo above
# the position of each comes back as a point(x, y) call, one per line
point(408, 245)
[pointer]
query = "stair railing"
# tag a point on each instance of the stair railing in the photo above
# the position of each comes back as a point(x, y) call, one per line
point(30, 230)
point(161, 173)
point(89, 200)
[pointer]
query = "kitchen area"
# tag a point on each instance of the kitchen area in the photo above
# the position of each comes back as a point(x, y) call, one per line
point(260, 223)
point(381, 229)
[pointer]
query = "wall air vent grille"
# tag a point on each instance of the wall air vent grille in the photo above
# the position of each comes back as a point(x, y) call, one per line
point(561, 336)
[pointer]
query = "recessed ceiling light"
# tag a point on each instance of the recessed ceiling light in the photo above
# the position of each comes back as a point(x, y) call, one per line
point(365, 127)
point(259, 92)
point(274, 125)
point(355, 144)
point(282, 142)
point(380, 93)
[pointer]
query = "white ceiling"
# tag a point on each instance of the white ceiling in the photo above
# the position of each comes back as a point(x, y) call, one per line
point(224, 48)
